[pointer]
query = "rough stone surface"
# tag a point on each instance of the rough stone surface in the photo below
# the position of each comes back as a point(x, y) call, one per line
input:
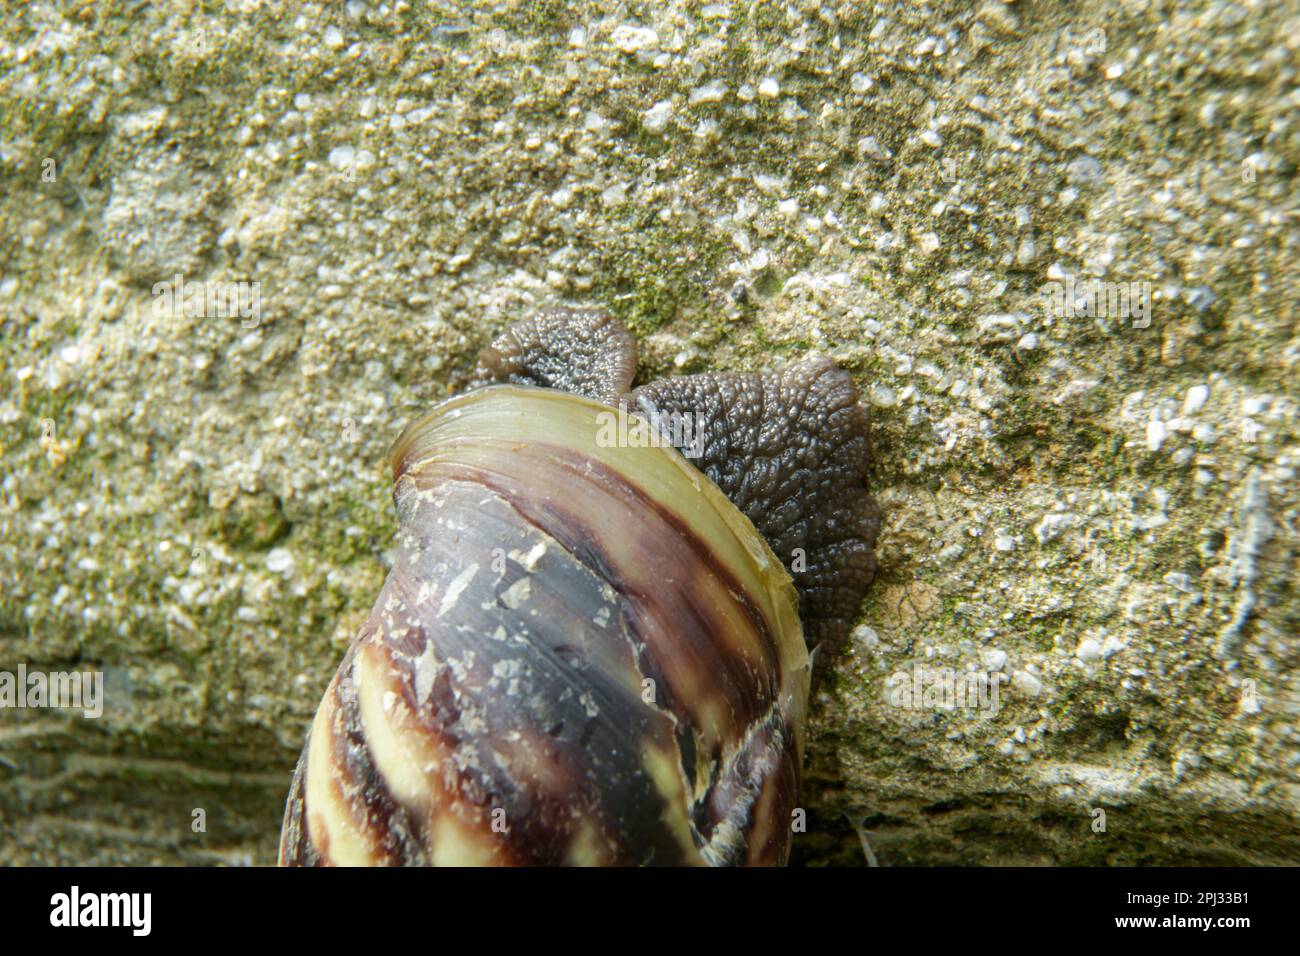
point(1101, 508)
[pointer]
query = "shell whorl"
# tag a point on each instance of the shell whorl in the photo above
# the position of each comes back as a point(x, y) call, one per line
point(584, 653)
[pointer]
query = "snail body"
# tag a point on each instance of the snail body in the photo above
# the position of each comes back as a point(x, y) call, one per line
point(586, 652)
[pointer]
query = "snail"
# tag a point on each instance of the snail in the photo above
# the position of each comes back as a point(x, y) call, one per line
point(592, 647)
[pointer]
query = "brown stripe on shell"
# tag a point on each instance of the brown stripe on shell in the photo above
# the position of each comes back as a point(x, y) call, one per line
point(357, 793)
point(568, 793)
point(756, 795)
point(585, 708)
point(678, 612)
point(500, 674)
point(295, 846)
point(683, 627)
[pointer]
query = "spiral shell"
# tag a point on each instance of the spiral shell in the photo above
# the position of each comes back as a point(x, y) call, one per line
point(582, 655)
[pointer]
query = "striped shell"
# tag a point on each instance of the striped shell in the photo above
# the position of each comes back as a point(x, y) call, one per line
point(582, 655)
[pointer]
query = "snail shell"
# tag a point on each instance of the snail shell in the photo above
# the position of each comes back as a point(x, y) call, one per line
point(587, 650)
point(582, 655)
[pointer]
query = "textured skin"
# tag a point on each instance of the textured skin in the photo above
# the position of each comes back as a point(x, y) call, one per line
point(790, 448)
point(582, 351)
